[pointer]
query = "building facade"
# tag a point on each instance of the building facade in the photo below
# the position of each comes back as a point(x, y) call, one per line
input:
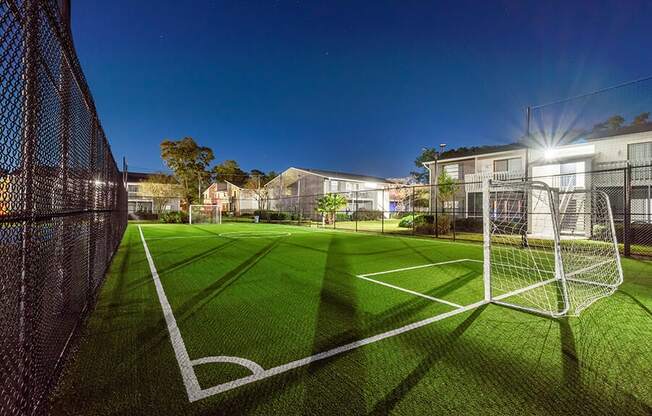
point(564, 168)
point(297, 189)
point(232, 198)
point(140, 203)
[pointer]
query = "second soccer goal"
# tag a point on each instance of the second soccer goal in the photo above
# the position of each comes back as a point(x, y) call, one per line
point(205, 214)
point(548, 251)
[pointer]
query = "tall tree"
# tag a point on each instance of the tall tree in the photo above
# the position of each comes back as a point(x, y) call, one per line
point(641, 119)
point(229, 170)
point(421, 174)
point(189, 162)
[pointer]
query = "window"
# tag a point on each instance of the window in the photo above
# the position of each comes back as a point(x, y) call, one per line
point(508, 165)
point(475, 204)
point(568, 174)
point(333, 186)
point(452, 170)
point(639, 151)
point(132, 188)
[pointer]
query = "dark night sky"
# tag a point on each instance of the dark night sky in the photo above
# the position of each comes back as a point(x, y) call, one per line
point(352, 85)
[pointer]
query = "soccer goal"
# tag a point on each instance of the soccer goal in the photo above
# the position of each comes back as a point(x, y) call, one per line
point(205, 214)
point(546, 251)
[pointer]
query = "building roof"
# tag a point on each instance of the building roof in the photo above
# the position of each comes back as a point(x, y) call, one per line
point(343, 175)
point(608, 134)
point(462, 152)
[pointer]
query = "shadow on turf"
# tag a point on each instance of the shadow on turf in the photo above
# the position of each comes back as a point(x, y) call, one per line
point(387, 404)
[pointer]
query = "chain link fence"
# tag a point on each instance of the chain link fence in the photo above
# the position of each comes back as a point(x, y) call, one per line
point(455, 211)
point(62, 200)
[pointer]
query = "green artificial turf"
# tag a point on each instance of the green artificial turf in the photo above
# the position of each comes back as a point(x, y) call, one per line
point(278, 299)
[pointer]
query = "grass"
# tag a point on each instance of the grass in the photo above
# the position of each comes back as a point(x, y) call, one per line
point(278, 299)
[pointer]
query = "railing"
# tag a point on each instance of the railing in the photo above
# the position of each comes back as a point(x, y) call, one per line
point(473, 181)
point(641, 175)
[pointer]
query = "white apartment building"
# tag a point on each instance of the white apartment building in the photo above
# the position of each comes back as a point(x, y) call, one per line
point(564, 168)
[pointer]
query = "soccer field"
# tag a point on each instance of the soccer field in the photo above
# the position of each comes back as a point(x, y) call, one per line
point(271, 319)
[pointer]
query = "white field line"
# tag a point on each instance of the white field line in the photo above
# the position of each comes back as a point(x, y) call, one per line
point(195, 392)
point(524, 289)
point(455, 305)
point(221, 388)
point(412, 267)
point(180, 351)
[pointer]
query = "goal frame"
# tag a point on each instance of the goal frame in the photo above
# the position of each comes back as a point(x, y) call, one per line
point(216, 207)
point(560, 278)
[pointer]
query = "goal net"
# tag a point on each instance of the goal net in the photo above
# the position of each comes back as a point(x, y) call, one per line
point(205, 214)
point(547, 251)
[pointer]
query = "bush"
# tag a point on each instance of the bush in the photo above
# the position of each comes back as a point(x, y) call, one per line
point(367, 215)
point(443, 224)
point(265, 215)
point(342, 216)
point(428, 229)
point(174, 217)
point(420, 219)
point(599, 232)
point(471, 225)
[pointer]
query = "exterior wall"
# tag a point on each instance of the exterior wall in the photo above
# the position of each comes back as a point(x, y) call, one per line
point(615, 149)
point(139, 202)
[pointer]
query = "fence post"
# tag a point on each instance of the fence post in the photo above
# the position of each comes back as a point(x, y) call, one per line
point(413, 219)
point(436, 209)
point(355, 214)
point(627, 214)
point(28, 148)
point(382, 211)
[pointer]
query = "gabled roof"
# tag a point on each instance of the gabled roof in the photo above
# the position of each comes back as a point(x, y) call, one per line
point(472, 152)
point(343, 175)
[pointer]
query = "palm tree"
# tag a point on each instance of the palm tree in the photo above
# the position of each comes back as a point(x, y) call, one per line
point(328, 204)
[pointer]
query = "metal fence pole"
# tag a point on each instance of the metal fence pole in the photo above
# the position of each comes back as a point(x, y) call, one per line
point(436, 210)
point(413, 219)
point(355, 214)
point(627, 214)
point(28, 149)
point(382, 211)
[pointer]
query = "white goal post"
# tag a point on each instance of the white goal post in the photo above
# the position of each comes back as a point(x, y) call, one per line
point(548, 251)
point(205, 214)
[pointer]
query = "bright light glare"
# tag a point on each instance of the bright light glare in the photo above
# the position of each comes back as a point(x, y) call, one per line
point(549, 153)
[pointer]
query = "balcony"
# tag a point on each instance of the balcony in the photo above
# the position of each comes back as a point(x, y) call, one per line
point(473, 181)
point(641, 172)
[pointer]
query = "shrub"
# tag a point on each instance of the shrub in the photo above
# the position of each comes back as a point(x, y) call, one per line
point(265, 215)
point(420, 219)
point(443, 224)
point(427, 229)
point(471, 225)
point(367, 215)
point(342, 216)
point(174, 217)
point(599, 232)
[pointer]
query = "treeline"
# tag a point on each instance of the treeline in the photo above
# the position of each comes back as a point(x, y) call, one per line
point(192, 167)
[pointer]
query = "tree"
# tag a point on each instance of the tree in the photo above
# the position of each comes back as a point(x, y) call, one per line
point(421, 174)
point(446, 188)
point(189, 162)
point(162, 188)
point(256, 183)
point(641, 119)
point(614, 122)
point(262, 193)
point(328, 204)
point(229, 170)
